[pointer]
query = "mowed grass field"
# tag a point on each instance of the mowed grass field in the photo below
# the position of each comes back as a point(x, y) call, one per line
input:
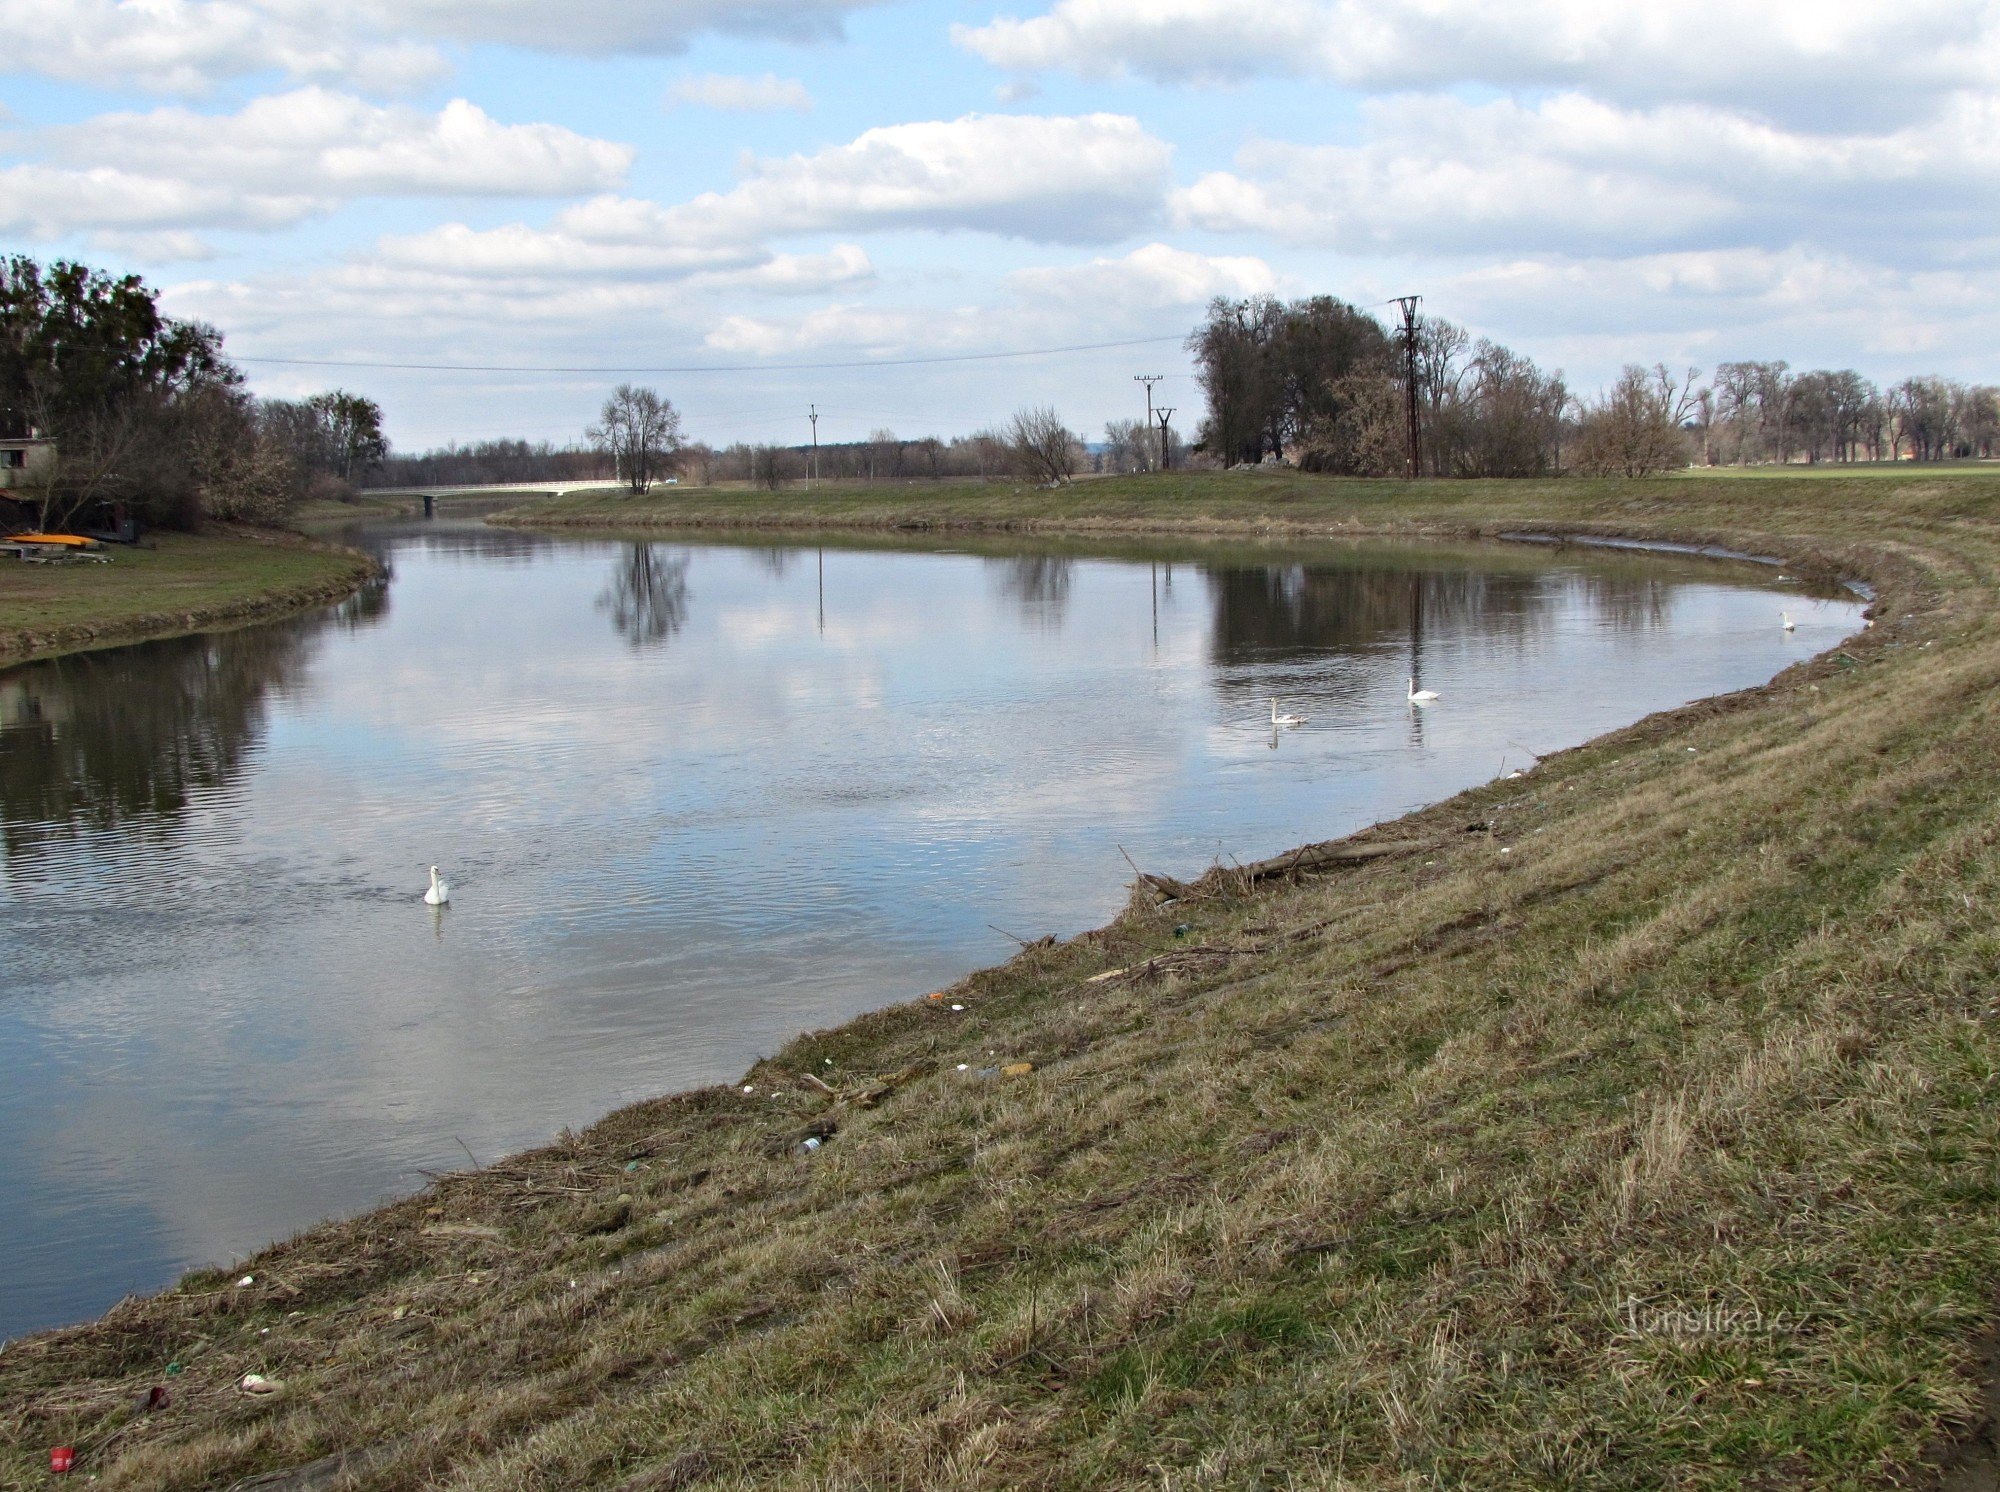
point(172, 583)
point(1633, 1123)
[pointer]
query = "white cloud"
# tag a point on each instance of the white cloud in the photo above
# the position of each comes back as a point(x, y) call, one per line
point(1810, 306)
point(189, 46)
point(1574, 175)
point(607, 27)
point(42, 202)
point(1138, 293)
point(186, 46)
point(1812, 59)
point(609, 238)
point(1061, 179)
point(769, 94)
point(1055, 179)
point(1147, 282)
point(340, 145)
point(168, 246)
point(282, 159)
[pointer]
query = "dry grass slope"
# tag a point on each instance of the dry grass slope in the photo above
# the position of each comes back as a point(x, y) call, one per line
point(1393, 1177)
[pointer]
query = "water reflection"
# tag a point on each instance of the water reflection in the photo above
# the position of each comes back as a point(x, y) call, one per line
point(1038, 584)
point(116, 745)
point(783, 786)
point(648, 594)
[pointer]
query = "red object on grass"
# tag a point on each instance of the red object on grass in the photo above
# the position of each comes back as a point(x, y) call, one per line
point(61, 1458)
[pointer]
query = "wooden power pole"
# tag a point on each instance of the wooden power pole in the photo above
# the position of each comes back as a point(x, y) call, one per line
point(1149, 379)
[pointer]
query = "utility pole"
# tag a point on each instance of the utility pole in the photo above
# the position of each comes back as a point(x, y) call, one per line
point(812, 473)
point(1148, 379)
point(1409, 305)
point(1165, 415)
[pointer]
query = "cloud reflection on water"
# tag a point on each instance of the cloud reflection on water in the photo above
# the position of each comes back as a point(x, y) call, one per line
point(679, 838)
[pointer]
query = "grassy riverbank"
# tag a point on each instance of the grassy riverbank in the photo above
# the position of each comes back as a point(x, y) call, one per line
point(1632, 1123)
point(173, 583)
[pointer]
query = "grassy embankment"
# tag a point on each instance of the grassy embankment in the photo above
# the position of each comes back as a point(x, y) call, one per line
point(1420, 1172)
point(173, 583)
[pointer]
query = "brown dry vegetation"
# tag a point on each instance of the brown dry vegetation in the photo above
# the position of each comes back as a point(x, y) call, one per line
point(1376, 1179)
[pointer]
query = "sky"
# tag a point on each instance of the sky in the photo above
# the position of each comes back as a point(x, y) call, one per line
point(727, 200)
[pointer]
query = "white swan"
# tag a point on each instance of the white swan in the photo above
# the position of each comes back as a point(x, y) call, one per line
point(1277, 719)
point(1785, 619)
point(1420, 696)
point(440, 891)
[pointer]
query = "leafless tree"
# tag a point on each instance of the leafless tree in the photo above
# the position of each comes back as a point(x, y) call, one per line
point(1635, 429)
point(640, 431)
point(767, 466)
point(1043, 448)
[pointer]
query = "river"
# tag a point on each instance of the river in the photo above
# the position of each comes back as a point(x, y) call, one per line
point(692, 797)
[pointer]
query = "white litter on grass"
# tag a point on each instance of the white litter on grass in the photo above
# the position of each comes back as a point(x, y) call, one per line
point(958, 1007)
point(246, 1281)
point(748, 1089)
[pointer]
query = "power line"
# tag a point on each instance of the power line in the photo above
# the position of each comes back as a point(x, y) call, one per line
point(899, 362)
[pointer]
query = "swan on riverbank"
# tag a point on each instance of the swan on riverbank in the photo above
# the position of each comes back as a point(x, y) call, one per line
point(1419, 696)
point(440, 891)
point(1277, 719)
point(1785, 621)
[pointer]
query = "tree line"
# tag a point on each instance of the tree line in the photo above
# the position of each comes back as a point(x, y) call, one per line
point(1325, 385)
point(143, 416)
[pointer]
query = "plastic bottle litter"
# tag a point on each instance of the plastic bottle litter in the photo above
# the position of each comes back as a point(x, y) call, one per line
point(809, 1144)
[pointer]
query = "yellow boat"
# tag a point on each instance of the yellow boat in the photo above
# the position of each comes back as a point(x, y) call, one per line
point(74, 541)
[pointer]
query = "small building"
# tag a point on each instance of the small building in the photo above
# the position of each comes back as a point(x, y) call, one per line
point(26, 461)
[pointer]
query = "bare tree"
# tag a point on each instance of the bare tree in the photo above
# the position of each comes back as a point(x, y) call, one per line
point(767, 466)
point(1043, 449)
point(640, 431)
point(1635, 430)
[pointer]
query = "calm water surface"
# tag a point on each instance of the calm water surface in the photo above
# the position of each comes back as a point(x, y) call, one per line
point(692, 799)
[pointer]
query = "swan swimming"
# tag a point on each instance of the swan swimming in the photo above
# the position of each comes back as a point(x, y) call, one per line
point(440, 891)
point(1277, 719)
point(1420, 696)
point(1785, 620)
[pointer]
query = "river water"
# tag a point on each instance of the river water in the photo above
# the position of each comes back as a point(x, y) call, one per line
point(692, 798)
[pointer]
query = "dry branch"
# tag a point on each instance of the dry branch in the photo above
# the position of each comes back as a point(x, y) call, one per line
point(1327, 855)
